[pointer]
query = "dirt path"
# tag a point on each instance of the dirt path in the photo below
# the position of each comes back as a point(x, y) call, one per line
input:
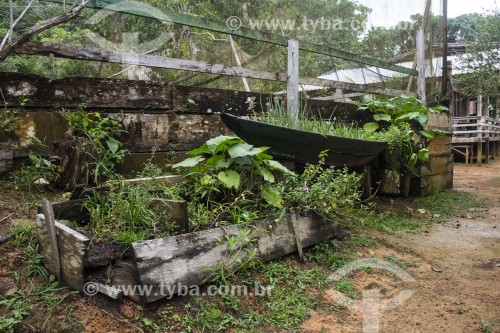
point(456, 267)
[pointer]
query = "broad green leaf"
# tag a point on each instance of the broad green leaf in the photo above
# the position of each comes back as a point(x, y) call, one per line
point(382, 117)
point(266, 174)
point(263, 156)
point(271, 195)
point(189, 162)
point(221, 142)
point(423, 154)
point(412, 162)
point(224, 163)
point(229, 178)
point(275, 165)
point(371, 127)
point(422, 119)
point(242, 149)
point(428, 134)
point(414, 115)
point(113, 145)
point(199, 150)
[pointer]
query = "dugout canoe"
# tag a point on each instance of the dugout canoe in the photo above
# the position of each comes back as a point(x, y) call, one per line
point(303, 146)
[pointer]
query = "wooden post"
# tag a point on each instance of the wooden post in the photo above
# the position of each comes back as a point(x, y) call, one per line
point(292, 90)
point(421, 66)
point(487, 146)
point(444, 79)
point(367, 183)
point(480, 152)
point(424, 24)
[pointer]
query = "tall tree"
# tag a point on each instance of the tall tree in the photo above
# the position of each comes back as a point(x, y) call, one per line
point(10, 42)
point(482, 60)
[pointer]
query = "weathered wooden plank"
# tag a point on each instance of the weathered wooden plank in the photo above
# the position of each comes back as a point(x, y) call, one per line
point(109, 291)
point(73, 249)
point(51, 231)
point(187, 259)
point(177, 212)
point(208, 101)
point(96, 93)
point(96, 54)
point(68, 210)
point(6, 157)
point(167, 132)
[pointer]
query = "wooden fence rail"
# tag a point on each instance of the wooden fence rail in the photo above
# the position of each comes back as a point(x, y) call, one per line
point(477, 131)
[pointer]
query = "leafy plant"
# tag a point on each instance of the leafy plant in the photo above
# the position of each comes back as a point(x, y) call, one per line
point(39, 169)
point(101, 131)
point(226, 174)
point(23, 231)
point(8, 119)
point(407, 116)
point(240, 255)
point(19, 306)
point(328, 191)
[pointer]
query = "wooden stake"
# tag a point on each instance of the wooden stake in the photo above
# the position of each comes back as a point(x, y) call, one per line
point(292, 91)
point(297, 237)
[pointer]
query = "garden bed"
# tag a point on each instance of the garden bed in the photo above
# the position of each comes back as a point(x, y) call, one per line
point(166, 263)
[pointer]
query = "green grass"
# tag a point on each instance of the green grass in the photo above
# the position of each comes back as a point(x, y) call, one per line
point(277, 115)
point(394, 224)
point(439, 207)
point(450, 203)
point(485, 327)
point(346, 287)
point(496, 180)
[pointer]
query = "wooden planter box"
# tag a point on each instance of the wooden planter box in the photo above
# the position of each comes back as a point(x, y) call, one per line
point(166, 263)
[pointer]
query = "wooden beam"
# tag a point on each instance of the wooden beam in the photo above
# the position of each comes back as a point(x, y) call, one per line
point(96, 54)
point(166, 264)
point(292, 84)
point(73, 252)
point(166, 15)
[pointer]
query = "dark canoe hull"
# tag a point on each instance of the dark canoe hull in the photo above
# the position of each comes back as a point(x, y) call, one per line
point(302, 146)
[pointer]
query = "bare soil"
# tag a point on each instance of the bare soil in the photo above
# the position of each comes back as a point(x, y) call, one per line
point(456, 267)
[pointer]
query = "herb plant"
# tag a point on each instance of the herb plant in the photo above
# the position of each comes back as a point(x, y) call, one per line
point(229, 180)
point(101, 131)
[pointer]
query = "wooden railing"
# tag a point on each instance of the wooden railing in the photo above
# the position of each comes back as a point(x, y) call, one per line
point(476, 133)
point(475, 129)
